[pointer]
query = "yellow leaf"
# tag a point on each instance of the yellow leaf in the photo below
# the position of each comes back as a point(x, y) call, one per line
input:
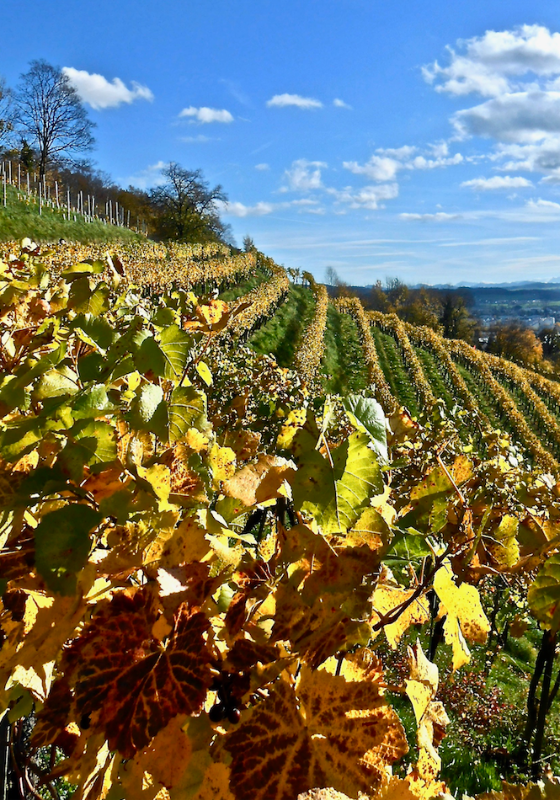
point(204, 372)
point(215, 784)
point(159, 478)
point(259, 482)
point(222, 461)
point(295, 420)
point(180, 546)
point(196, 440)
point(164, 759)
point(465, 617)
point(386, 598)
point(423, 683)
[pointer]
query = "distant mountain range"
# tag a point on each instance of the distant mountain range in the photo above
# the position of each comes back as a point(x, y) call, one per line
point(511, 285)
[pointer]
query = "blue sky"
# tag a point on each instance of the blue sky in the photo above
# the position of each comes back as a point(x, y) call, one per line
point(405, 139)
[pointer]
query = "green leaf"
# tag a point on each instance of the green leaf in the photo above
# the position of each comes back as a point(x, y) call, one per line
point(187, 408)
point(150, 358)
point(56, 383)
point(544, 594)
point(62, 545)
point(126, 343)
point(92, 402)
point(366, 415)
point(87, 267)
point(91, 367)
point(164, 317)
point(98, 330)
point(335, 495)
point(83, 300)
point(148, 411)
point(175, 345)
point(98, 439)
point(22, 435)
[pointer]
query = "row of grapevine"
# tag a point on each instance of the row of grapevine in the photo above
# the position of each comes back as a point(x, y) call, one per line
point(375, 373)
point(426, 337)
point(308, 357)
point(475, 359)
point(153, 266)
point(261, 300)
point(197, 568)
point(519, 381)
point(392, 324)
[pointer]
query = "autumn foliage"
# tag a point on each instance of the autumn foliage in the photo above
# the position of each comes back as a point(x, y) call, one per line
point(199, 563)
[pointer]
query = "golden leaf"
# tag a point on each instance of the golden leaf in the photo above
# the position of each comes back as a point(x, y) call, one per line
point(259, 482)
point(164, 759)
point(386, 598)
point(325, 731)
point(465, 617)
point(222, 461)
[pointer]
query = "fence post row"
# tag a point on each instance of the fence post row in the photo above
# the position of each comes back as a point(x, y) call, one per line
point(40, 192)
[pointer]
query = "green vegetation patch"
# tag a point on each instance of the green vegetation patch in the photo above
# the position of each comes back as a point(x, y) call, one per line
point(280, 335)
point(21, 219)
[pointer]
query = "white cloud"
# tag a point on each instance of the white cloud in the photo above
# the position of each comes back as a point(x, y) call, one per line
point(146, 178)
point(546, 206)
point(514, 117)
point(487, 64)
point(542, 157)
point(241, 210)
point(284, 100)
point(378, 168)
point(304, 176)
point(99, 93)
point(384, 167)
point(440, 216)
point(262, 167)
point(338, 103)
point(497, 182)
point(205, 115)
point(519, 72)
point(370, 197)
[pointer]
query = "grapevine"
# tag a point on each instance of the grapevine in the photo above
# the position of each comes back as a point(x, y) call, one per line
point(308, 357)
point(199, 569)
point(376, 377)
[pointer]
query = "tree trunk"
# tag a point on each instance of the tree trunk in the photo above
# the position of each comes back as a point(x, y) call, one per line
point(550, 652)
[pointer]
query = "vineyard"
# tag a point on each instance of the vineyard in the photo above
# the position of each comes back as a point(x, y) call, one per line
point(257, 544)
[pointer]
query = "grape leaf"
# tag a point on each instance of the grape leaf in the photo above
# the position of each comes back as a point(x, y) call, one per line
point(186, 408)
point(260, 481)
point(175, 345)
point(386, 598)
point(366, 414)
point(124, 676)
point(62, 545)
point(335, 493)
point(465, 617)
point(544, 594)
point(325, 731)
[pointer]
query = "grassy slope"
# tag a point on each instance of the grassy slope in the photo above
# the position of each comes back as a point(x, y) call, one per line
point(20, 219)
point(343, 367)
point(280, 335)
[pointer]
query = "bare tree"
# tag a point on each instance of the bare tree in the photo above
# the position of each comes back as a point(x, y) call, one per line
point(48, 110)
point(6, 114)
point(186, 208)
